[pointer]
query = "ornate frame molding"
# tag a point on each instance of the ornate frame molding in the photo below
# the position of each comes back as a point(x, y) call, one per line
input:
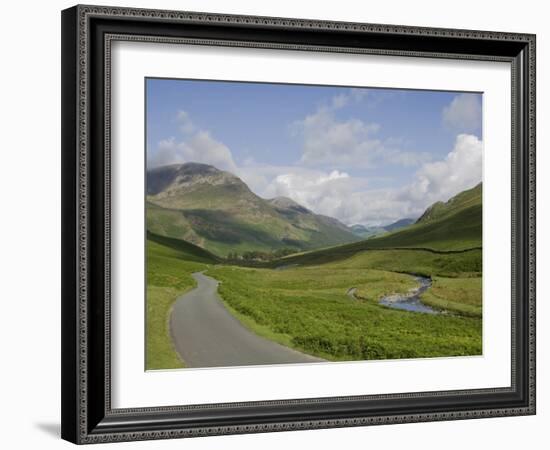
point(80, 418)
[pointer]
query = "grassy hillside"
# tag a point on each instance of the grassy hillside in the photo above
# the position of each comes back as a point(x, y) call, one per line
point(185, 250)
point(168, 276)
point(461, 201)
point(451, 227)
point(457, 231)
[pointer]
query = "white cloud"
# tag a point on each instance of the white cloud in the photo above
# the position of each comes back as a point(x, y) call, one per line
point(201, 147)
point(350, 143)
point(329, 142)
point(333, 192)
point(197, 146)
point(319, 191)
point(440, 180)
point(347, 198)
point(463, 114)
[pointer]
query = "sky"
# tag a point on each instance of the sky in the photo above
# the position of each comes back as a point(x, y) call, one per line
point(362, 155)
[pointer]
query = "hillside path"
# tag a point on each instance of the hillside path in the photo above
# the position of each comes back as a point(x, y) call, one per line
point(206, 334)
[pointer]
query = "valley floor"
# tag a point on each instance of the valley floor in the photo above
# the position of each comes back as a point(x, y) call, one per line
point(307, 307)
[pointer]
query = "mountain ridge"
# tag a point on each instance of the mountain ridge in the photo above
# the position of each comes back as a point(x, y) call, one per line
point(216, 210)
point(461, 200)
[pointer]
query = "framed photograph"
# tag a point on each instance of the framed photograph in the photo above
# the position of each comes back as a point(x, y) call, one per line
point(278, 224)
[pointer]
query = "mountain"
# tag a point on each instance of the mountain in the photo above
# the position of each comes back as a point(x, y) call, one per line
point(401, 223)
point(367, 232)
point(285, 204)
point(216, 210)
point(453, 226)
point(302, 216)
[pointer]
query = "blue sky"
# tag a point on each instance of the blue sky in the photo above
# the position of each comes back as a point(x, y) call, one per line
point(362, 155)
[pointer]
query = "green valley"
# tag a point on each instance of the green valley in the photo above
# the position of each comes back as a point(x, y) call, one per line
point(303, 300)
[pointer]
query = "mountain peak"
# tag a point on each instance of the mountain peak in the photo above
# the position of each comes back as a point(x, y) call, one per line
point(216, 210)
point(285, 203)
point(197, 168)
point(165, 178)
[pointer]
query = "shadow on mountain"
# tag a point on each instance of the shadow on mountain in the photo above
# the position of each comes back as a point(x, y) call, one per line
point(221, 226)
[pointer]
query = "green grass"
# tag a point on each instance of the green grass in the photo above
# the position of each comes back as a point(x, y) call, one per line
point(186, 250)
point(160, 353)
point(307, 308)
point(457, 233)
point(459, 295)
point(168, 276)
point(420, 262)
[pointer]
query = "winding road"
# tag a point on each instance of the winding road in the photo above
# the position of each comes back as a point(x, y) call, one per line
point(206, 334)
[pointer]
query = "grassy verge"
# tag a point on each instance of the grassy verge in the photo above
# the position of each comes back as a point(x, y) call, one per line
point(168, 276)
point(160, 351)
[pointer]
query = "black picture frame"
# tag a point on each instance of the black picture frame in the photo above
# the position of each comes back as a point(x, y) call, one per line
point(87, 416)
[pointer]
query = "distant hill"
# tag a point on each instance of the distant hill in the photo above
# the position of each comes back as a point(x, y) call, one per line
point(455, 225)
point(216, 210)
point(401, 223)
point(367, 232)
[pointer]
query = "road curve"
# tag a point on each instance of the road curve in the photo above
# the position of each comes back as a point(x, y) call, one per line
point(206, 334)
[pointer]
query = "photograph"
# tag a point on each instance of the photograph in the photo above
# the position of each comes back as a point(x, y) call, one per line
point(306, 224)
point(273, 222)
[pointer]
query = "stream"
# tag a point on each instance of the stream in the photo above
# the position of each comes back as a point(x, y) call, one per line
point(411, 300)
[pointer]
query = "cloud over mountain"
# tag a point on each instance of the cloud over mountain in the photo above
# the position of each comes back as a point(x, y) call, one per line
point(348, 198)
point(339, 158)
point(195, 145)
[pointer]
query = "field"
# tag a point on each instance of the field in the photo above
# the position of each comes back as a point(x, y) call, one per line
point(308, 307)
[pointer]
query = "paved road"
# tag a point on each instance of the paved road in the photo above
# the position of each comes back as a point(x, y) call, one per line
point(205, 333)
